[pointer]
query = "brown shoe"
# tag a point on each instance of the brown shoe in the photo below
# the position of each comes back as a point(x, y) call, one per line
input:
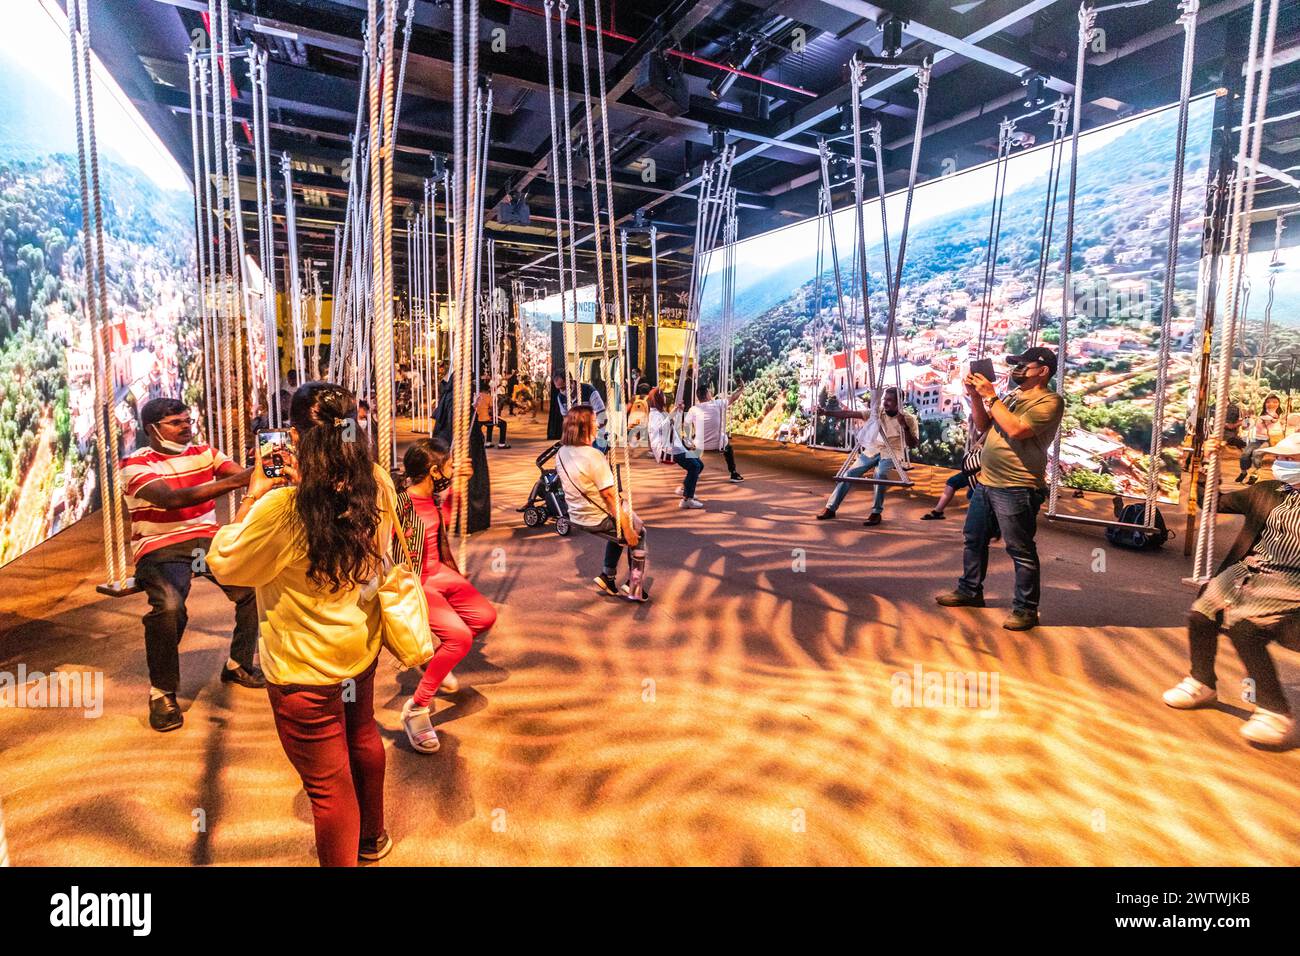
point(872, 519)
point(826, 514)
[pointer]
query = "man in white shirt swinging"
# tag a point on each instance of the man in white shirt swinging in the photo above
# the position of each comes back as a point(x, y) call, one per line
point(882, 444)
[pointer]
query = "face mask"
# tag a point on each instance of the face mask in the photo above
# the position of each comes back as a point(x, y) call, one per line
point(1019, 375)
point(1287, 472)
point(171, 447)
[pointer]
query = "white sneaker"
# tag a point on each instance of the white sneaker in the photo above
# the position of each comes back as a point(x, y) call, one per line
point(419, 729)
point(1190, 693)
point(1268, 728)
point(687, 503)
point(449, 684)
point(680, 491)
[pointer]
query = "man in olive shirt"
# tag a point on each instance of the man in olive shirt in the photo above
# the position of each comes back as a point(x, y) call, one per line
point(1011, 486)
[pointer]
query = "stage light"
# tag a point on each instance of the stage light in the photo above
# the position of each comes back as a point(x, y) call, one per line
point(1035, 90)
point(719, 139)
point(891, 35)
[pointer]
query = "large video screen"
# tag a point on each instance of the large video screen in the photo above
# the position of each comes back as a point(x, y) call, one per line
point(1120, 239)
point(47, 418)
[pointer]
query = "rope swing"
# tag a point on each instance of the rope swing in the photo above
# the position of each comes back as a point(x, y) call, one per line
point(1087, 26)
point(876, 372)
point(1241, 206)
point(107, 435)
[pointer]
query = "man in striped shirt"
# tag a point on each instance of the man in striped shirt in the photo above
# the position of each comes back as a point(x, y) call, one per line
point(170, 490)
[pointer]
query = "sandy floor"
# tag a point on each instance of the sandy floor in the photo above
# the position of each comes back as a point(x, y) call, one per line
point(751, 714)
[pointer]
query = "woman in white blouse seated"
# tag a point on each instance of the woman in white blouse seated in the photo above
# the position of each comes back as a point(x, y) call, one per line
point(667, 444)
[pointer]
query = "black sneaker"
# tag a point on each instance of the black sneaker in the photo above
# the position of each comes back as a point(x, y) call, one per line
point(737, 476)
point(375, 849)
point(165, 714)
point(606, 584)
point(244, 678)
point(959, 599)
point(1021, 621)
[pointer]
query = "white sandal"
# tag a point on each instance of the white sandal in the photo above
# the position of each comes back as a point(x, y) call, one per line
point(419, 729)
point(1189, 693)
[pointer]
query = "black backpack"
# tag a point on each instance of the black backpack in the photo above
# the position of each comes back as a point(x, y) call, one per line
point(1136, 539)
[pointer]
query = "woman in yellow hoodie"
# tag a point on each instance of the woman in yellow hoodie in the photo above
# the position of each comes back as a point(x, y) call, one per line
point(311, 544)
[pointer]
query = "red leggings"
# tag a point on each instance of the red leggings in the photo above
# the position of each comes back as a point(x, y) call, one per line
point(334, 745)
point(457, 614)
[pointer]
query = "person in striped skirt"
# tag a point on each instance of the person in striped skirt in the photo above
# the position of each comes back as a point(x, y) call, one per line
point(1254, 598)
point(170, 487)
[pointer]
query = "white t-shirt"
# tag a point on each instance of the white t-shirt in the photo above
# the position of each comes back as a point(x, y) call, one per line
point(883, 435)
point(584, 473)
point(704, 422)
point(664, 440)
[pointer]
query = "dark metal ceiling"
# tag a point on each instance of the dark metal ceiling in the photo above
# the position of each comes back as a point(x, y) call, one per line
point(789, 98)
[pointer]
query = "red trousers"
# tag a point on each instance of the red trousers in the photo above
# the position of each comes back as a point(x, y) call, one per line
point(457, 614)
point(330, 736)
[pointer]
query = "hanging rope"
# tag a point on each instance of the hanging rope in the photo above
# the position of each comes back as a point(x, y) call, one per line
point(1188, 20)
point(107, 441)
point(1060, 119)
point(1005, 130)
point(1254, 112)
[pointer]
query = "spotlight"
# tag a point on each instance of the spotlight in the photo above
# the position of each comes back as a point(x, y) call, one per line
point(846, 117)
point(1035, 90)
point(891, 35)
point(719, 139)
point(439, 165)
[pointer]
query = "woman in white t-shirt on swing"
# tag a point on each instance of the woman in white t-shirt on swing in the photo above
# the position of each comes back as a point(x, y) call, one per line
point(589, 492)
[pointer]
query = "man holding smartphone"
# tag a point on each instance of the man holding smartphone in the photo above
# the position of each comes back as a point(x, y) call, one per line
point(170, 490)
point(1012, 485)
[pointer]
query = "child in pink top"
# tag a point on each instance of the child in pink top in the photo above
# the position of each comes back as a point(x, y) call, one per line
point(457, 611)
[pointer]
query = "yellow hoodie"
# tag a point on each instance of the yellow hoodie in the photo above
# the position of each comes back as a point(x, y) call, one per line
point(308, 635)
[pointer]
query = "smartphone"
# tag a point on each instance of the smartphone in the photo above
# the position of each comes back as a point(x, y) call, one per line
point(984, 367)
point(275, 447)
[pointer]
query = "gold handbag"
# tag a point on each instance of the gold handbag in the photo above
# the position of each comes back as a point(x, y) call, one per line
point(404, 610)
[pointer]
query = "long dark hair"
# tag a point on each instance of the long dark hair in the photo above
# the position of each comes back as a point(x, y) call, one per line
point(422, 456)
point(338, 497)
point(1271, 397)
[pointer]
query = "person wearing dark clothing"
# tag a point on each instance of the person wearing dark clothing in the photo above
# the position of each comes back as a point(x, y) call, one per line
point(1254, 598)
point(479, 493)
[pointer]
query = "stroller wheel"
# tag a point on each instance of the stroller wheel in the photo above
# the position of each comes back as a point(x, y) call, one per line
point(562, 526)
point(533, 516)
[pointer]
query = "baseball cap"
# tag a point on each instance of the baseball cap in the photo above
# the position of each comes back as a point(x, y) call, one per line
point(1036, 354)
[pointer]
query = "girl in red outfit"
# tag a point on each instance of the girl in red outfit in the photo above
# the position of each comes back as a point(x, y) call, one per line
point(457, 612)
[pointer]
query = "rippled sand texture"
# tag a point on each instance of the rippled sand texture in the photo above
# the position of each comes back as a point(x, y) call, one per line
point(746, 716)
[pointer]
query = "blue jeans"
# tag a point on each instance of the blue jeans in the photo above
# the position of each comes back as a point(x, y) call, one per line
point(692, 464)
point(882, 465)
point(1015, 511)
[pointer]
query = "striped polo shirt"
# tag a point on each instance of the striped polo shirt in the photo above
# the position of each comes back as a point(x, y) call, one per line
point(153, 527)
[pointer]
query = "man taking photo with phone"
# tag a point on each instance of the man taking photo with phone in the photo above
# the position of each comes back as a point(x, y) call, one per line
point(1012, 483)
point(170, 488)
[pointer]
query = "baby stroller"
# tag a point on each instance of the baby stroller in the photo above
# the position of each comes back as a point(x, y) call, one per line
point(547, 497)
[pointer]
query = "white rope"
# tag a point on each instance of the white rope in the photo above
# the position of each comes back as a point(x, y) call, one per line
point(1189, 10)
point(1087, 22)
point(91, 236)
point(1252, 128)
